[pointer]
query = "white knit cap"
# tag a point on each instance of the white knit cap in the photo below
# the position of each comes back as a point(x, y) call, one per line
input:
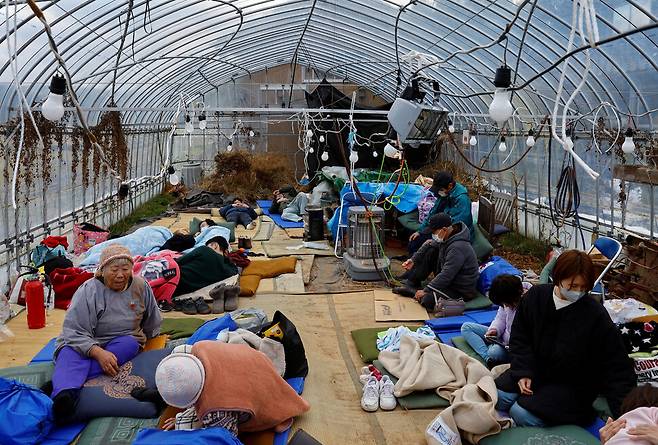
point(180, 378)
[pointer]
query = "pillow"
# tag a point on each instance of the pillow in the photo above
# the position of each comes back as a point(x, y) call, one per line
point(564, 434)
point(481, 244)
point(196, 222)
point(249, 285)
point(106, 396)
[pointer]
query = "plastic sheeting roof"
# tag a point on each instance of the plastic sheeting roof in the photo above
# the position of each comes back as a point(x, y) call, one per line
point(195, 45)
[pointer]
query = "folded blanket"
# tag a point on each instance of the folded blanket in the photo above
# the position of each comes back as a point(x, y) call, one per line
point(465, 382)
point(271, 348)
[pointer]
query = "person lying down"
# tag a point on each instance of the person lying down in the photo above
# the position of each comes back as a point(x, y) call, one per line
point(208, 382)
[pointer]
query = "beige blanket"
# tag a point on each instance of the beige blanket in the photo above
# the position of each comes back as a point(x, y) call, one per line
point(464, 381)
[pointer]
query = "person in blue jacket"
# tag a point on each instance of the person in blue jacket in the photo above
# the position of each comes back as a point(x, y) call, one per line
point(452, 199)
point(239, 212)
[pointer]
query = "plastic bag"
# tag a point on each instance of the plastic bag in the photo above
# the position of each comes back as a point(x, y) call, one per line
point(27, 413)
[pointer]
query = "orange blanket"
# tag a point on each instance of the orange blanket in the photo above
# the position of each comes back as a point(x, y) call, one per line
point(239, 378)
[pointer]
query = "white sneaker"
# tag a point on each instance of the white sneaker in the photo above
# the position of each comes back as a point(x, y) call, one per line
point(387, 400)
point(251, 225)
point(370, 398)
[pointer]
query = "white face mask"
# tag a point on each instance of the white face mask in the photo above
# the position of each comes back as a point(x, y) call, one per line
point(437, 238)
point(571, 295)
point(443, 194)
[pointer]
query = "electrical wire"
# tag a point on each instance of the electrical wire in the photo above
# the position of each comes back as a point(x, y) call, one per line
point(121, 43)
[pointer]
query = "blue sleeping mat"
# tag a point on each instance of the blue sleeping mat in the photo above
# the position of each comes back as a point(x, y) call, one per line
point(297, 383)
point(265, 207)
point(448, 324)
point(46, 354)
point(264, 203)
point(447, 336)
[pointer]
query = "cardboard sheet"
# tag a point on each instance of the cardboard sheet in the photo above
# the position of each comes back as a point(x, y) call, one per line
point(277, 248)
point(399, 309)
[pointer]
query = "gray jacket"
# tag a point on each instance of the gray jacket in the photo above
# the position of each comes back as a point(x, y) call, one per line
point(457, 266)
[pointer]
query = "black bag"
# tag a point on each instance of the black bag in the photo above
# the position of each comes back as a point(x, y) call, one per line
point(59, 262)
point(301, 437)
point(296, 363)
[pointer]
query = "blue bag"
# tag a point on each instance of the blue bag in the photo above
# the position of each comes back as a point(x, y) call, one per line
point(211, 329)
point(206, 436)
point(43, 253)
point(26, 413)
point(494, 267)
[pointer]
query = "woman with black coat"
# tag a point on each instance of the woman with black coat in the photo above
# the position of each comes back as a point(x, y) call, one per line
point(565, 351)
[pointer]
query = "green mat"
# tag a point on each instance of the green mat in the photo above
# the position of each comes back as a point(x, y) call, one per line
point(180, 327)
point(461, 344)
point(114, 430)
point(366, 342)
point(564, 434)
point(479, 302)
point(35, 375)
point(418, 400)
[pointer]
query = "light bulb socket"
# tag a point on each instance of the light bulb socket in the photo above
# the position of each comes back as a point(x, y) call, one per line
point(124, 190)
point(629, 132)
point(58, 85)
point(187, 118)
point(202, 117)
point(531, 132)
point(449, 122)
point(503, 78)
point(171, 170)
point(502, 139)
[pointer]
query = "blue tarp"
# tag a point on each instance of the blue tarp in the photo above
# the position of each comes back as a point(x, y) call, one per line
point(265, 207)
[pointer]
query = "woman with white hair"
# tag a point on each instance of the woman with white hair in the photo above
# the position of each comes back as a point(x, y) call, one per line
point(110, 318)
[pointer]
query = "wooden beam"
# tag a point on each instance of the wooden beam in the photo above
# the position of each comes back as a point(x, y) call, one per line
point(636, 173)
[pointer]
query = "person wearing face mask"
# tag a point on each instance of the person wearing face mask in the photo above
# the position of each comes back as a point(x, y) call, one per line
point(450, 257)
point(565, 351)
point(452, 199)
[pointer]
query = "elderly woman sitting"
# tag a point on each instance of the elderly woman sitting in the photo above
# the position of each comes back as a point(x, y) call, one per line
point(108, 322)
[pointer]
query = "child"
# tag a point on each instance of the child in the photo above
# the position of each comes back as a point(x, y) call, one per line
point(491, 342)
point(239, 212)
point(639, 421)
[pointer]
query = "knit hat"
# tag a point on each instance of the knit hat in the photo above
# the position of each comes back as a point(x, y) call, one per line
point(179, 379)
point(114, 252)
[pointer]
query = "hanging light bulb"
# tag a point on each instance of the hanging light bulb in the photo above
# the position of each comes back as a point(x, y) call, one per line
point(391, 151)
point(530, 142)
point(628, 146)
point(202, 121)
point(252, 134)
point(325, 156)
point(309, 133)
point(253, 147)
point(438, 132)
point(568, 143)
point(321, 138)
point(375, 154)
point(473, 141)
point(503, 146)
point(189, 127)
point(53, 108)
point(230, 146)
point(451, 127)
point(501, 108)
point(354, 157)
point(311, 150)
point(174, 179)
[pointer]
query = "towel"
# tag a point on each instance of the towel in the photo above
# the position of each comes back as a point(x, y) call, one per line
point(271, 348)
point(465, 382)
point(241, 379)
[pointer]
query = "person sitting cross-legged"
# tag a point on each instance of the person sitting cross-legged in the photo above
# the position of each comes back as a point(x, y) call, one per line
point(450, 256)
point(491, 343)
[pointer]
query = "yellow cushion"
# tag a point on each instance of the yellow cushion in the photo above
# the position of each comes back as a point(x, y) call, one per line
point(158, 342)
point(271, 268)
point(249, 285)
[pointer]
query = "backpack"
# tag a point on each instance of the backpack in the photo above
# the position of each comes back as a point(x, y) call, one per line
point(27, 412)
point(161, 272)
point(43, 253)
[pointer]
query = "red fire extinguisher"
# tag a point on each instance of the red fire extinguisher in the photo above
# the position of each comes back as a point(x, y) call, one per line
point(35, 303)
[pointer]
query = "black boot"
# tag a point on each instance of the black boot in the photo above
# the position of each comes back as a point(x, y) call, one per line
point(64, 405)
point(149, 395)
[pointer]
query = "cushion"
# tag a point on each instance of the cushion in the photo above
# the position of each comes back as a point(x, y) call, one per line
point(155, 343)
point(479, 302)
point(447, 336)
point(445, 324)
point(177, 328)
point(114, 430)
point(461, 344)
point(417, 400)
point(410, 221)
point(271, 268)
point(366, 342)
point(196, 222)
point(564, 434)
point(36, 374)
point(205, 436)
point(106, 396)
point(481, 244)
point(249, 285)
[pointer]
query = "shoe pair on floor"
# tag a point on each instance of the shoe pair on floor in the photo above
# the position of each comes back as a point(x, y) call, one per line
point(192, 306)
point(377, 390)
point(224, 298)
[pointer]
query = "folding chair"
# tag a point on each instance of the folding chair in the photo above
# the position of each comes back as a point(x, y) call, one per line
point(611, 249)
point(488, 217)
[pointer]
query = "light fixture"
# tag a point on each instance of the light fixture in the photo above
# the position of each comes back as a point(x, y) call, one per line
point(530, 142)
point(230, 146)
point(628, 146)
point(189, 127)
point(174, 179)
point(53, 108)
point(311, 150)
point(309, 133)
point(325, 156)
point(438, 132)
point(473, 141)
point(253, 147)
point(568, 143)
point(252, 134)
point(354, 157)
point(501, 108)
point(503, 146)
point(202, 121)
point(321, 138)
point(391, 151)
point(451, 127)
point(375, 154)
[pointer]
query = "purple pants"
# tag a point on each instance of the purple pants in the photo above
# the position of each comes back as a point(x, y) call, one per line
point(72, 370)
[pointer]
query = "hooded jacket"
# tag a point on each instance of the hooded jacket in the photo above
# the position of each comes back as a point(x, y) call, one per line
point(457, 265)
point(457, 205)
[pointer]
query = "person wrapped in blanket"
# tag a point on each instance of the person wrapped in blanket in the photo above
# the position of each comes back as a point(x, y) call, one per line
point(110, 318)
point(565, 351)
point(638, 423)
point(491, 343)
point(208, 382)
point(239, 212)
